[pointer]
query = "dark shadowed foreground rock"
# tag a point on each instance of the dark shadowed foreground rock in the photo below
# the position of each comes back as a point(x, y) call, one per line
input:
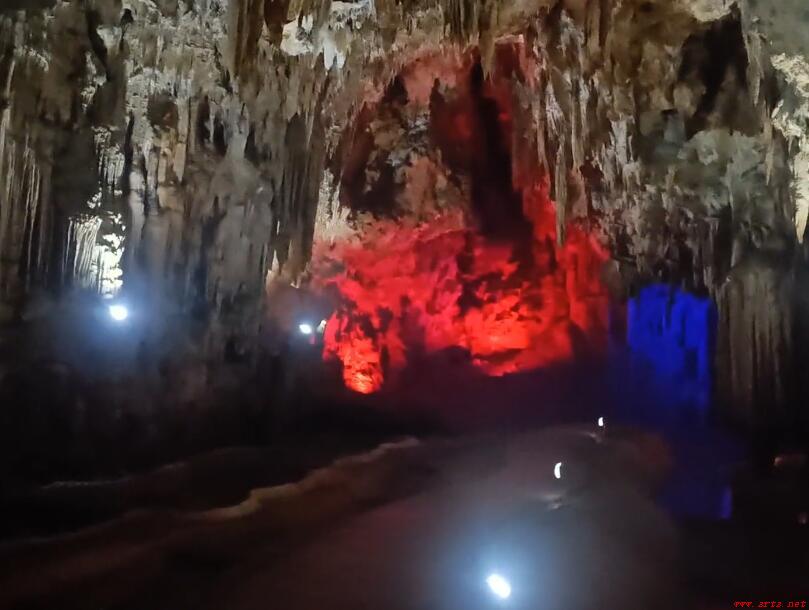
point(403, 526)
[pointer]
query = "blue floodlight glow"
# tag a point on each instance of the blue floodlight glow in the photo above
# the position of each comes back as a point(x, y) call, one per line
point(674, 331)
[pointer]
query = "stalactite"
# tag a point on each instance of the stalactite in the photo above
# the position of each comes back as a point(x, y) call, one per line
point(605, 123)
point(83, 234)
point(20, 206)
point(754, 348)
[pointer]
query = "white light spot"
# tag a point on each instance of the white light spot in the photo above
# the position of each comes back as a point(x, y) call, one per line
point(557, 470)
point(321, 327)
point(600, 422)
point(499, 586)
point(119, 313)
point(306, 329)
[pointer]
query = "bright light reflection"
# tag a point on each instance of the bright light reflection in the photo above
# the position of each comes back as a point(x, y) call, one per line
point(306, 329)
point(119, 313)
point(321, 327)
point(557, 470)
point(600, 422)
point(499, 586)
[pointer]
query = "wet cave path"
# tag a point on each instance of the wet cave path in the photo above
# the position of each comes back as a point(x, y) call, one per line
point(626, 390)
point(404, 526)
point(418, 524)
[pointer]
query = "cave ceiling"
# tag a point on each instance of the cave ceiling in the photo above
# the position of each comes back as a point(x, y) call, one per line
point(195, 151)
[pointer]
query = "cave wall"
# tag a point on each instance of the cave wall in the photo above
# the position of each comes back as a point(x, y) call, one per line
point(183, 150)
point(675, 331)
point(449, 261)
point(688, 166)
point(666, 117)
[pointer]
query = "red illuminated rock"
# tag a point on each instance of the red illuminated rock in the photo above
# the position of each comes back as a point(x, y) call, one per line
point(433, 286)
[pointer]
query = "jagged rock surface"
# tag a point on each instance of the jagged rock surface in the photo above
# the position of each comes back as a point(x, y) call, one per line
point(186, 149)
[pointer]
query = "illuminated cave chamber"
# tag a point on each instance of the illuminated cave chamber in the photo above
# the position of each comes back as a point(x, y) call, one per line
point(186, 154)
point(454, 247)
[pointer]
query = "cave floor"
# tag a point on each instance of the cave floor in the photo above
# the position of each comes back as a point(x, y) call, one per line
point(407, 526)
point(663, 511)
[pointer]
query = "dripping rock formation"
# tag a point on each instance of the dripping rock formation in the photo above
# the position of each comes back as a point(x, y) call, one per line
point(489, 175)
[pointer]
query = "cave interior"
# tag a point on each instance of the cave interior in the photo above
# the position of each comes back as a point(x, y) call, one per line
point(362, 278)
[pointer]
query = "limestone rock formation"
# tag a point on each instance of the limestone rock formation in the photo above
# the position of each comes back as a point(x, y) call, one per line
point(187, 152)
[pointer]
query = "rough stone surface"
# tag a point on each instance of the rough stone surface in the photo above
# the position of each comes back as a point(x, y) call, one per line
point(185, 152)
